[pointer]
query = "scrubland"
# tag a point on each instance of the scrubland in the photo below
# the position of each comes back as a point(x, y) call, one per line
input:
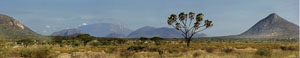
point(72, 47)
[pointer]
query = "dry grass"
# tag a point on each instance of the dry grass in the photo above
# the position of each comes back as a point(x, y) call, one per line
point(150, 50)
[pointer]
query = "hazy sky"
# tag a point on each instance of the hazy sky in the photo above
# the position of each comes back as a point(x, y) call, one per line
point(229, 16)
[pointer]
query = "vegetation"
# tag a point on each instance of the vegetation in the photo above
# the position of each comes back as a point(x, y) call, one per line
point(184, 25)
point(168, 48)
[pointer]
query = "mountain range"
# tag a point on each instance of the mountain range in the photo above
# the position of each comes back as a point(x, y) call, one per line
point(116, 31)
point(163, 32)
point(272, 26)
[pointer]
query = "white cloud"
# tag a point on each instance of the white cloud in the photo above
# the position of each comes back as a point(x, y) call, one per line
point(47, 26)
point(84, 24)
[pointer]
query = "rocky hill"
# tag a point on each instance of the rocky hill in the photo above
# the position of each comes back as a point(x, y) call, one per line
point(273, 26)
point(10, 28)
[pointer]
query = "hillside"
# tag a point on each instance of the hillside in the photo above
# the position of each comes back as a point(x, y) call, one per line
point(10, 28)
point(273, 26)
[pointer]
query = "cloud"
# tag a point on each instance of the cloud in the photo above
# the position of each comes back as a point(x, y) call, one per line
point(47, 26)
point(84, 24)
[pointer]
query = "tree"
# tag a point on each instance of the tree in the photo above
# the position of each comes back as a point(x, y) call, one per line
point(85, 38)
point(25, 42)
point(157, 40)
point(184, 25)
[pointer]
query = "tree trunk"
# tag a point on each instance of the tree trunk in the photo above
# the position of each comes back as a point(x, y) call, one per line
point(188, 40)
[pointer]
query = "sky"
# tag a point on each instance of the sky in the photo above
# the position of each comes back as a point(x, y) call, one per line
point(230, 17)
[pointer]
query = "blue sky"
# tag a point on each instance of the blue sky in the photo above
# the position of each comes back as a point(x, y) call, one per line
point(229, 16)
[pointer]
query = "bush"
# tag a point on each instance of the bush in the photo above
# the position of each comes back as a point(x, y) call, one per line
point(227, 50)
point(95, 43)
point(36, 52)
point(210, 49)
point(143, 39)
point(85, 38)
point(136, 48)
point(283, 47)
point(196, 54)
point(292, 48)
point(73, 42)
point(25, 42)
point(157, 40)
point(263, 52)
point(120, 41)
point(110, 50)
point(126, 53)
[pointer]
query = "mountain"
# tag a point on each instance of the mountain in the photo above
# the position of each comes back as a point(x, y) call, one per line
point(273, 26)
point(67, 32)
point(163, 32)
point(10, 28)
point(116, 35)
point(104, 29)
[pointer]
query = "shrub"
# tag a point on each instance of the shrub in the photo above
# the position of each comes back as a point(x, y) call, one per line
point(292, 48)
point(120, 41)
point(126, 53)
point(173, 51)
point(85, 38)
point(110, 50)
point(36, 52)
point(95, 43)
point(227, 50)
point(210, 49)
point(196, 54)
point(136, 48)
point(143, 39)
point(283, 47)
point(73, 42)
point(160, 52)
point(157, 40)
point(25, 42)
point(263, 52)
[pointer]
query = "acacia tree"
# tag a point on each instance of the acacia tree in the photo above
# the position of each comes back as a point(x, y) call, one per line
point(184, 24)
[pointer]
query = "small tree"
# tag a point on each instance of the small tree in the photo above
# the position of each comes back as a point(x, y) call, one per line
point(25, 42)
point(85, 38)
point(184, 25)
point(157, 40)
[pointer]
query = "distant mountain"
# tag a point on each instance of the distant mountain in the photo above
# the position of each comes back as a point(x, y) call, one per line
point(160, 32)
point(67, 32)
point(98, 30)
point(116, 35)
point(273, 26)
point(10, 28)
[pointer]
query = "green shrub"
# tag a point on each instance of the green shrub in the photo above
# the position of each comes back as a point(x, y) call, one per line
point(85, 38)
point(264, 52)
point(95, 43)
point(25, 42)
point(157, 40)
point(136, 48)
point(120, 41)
point(143, 39)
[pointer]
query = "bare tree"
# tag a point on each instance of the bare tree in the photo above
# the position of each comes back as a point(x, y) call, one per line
point(186, 27)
